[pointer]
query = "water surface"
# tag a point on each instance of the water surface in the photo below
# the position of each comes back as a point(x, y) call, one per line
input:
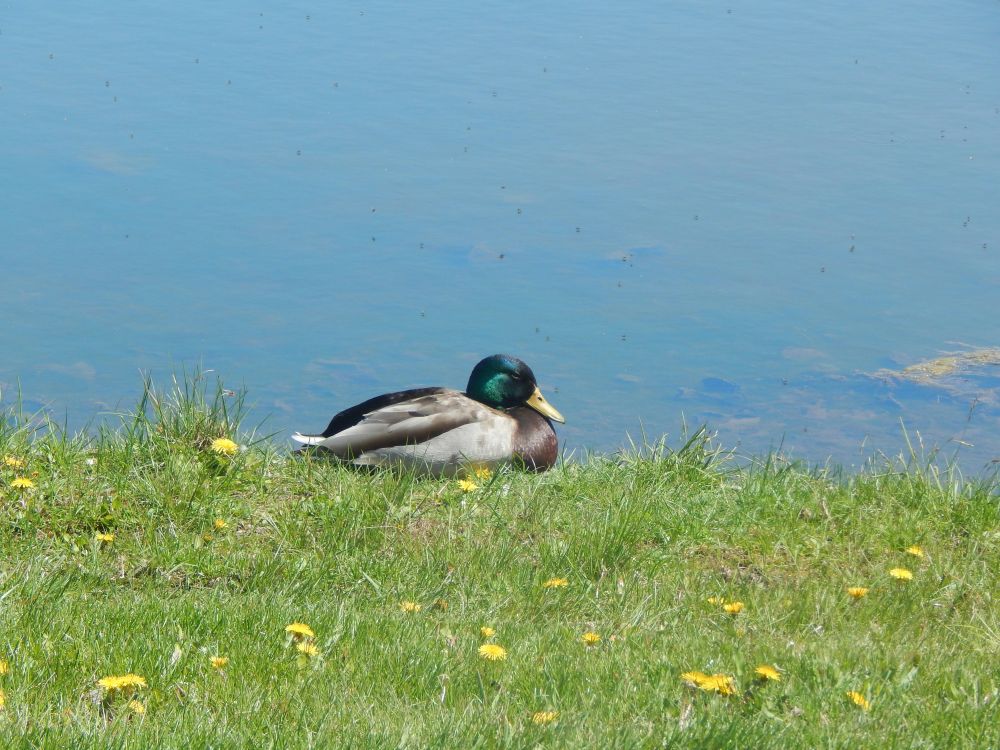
point(725, 212)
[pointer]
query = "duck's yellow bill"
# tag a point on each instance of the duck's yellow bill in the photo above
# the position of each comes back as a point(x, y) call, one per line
point(543, 407)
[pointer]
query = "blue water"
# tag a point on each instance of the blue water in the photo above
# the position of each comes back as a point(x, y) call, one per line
point(722, 212)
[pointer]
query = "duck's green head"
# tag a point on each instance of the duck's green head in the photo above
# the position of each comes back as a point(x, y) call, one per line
point(503, 381)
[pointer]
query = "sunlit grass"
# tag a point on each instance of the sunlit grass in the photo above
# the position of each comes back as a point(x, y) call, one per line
point(274, 601)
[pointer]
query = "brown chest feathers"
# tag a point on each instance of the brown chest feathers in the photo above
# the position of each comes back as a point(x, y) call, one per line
point(534, 442)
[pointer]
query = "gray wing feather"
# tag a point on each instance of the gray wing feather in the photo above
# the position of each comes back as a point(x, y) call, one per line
point(408, 423)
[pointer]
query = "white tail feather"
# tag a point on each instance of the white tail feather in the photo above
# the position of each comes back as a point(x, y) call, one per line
point(298, 437)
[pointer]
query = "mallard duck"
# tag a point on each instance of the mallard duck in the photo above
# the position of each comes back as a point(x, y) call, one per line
point(501, 418)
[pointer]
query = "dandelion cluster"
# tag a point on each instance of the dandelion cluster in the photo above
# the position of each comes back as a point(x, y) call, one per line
point(299, 631)
point(301, 636)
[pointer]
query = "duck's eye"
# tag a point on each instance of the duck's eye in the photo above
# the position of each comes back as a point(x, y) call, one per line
point(516, 376)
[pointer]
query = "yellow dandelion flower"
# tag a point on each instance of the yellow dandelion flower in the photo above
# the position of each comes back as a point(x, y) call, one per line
point(858, 592)
point(4, 667)
point(134, 681)
point(104, 538)
point(915, 551)
point(136, 707)
point(591, 638)
point(901, 574)
point(220, 524)
point(487, 632)
point(299, 631)
point(483, 473)
point(467, 485)
point(22, 483)
point(767, 672)
point(224, 446)
point(556, 583)
point(694, 679)
point(3, 699)
point(309, 649)
point(410, 607)
point(219, 661)
point(733, 608)
point(859, 700)
point(493, 652)
point(713, 683)
point(206, 537)
point(123, 682)
point(544, 717)
point(715, 600)
point(13, 462)
point(720, 683)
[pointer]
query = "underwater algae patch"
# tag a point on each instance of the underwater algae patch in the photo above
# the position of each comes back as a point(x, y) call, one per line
point(935, 371)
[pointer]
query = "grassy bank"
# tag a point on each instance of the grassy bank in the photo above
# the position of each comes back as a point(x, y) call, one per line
point(149, 549)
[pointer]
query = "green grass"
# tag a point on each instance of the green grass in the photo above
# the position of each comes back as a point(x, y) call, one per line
point(643, 539)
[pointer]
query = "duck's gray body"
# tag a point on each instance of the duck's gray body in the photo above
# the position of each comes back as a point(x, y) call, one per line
point(501, 418)
point(437, 431)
